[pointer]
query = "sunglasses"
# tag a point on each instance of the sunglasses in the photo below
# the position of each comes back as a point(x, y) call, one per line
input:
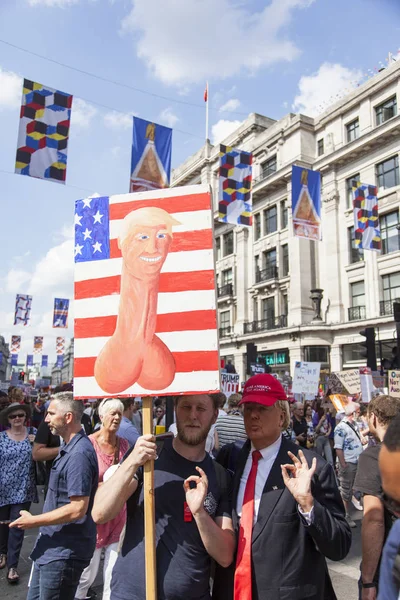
point(392, 505)
point(17, 416)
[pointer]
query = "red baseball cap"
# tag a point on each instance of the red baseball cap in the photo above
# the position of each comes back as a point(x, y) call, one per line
point(263, 389)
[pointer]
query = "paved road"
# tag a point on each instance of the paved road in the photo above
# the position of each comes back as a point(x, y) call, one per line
point(344, 574)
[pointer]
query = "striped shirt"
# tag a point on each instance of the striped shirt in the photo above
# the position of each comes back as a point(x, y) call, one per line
point(230, 428)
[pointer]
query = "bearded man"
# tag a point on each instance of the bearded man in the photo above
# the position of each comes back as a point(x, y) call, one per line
point(193, 512)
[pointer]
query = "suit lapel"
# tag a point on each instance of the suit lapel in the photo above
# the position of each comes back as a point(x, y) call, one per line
point(241, 463)
point(273, 489)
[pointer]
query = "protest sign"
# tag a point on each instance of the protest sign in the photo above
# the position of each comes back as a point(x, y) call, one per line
point(367, 386)
point(306, 378)
point(350, 380)
point(229, 383)
point(339, 401)
point(394, 384)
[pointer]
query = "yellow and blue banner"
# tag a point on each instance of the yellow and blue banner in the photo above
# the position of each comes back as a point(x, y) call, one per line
point(151, 156)
point(306, 203)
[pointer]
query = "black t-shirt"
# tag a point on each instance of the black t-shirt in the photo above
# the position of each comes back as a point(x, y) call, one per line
point(300, 427)
point(44, 436)
point(368, 481)
point(183, 565)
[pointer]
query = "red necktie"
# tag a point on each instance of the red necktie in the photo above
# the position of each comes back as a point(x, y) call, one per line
point(242, 588)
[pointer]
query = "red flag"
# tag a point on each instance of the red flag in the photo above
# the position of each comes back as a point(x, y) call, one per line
point(206, 93)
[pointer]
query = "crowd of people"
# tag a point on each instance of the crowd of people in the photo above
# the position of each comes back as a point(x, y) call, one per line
point(252, 493)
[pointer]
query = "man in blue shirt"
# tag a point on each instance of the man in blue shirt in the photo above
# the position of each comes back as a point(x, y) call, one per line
point(67, 535)
point(126, 429)
point(389, 464)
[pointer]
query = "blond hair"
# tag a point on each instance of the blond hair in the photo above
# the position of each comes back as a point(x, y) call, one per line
point(149, 217)
point(284, 406)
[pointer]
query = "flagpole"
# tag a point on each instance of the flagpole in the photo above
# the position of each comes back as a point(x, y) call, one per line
point(207, 113)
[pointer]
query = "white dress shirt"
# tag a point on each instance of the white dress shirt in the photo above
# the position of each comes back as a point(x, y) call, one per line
point(265, 463)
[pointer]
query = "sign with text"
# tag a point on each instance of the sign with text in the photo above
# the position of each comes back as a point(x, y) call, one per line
point(350, 380)
point(229, 383)
point(394, 384)
point(306, 378)
point(256, 368)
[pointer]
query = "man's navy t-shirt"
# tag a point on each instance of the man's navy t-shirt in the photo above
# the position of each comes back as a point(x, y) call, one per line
point(183, 565)
point(74, 473)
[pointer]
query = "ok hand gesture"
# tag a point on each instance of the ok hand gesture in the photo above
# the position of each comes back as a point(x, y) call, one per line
point(297, 478)
point(195, 496)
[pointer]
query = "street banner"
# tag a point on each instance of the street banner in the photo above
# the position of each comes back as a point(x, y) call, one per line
point(350, 380)
point(43, 132)
point(15, 344)
point(60, 361)
point(367, 233)
point(367, 386)
point(45, 360)
point(151, 156)
point(306, 378)
point(145, 301)
point(235, 185)
point(37, 344)
point(394, 383)
point(14, 360)
point(23, 305)
point(339, 401)
point(306, 203)
point(61, 307)
point(29, 360)
point(229, 383)
point(60, 345)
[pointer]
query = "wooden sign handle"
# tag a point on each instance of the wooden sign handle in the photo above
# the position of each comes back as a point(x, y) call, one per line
point(149, 507)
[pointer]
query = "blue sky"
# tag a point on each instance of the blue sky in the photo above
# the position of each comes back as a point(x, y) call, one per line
point(271, 57)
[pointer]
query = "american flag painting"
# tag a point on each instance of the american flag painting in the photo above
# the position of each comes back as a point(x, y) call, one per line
point(145, 301)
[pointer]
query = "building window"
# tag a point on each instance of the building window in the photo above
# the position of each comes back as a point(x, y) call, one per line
point(218, 247)
point(389, 232)
point(355, 254)
point(268, 167)
point(386, 111)
point(268, 309)
point(352, 353)
point(270, 220)
point(353, 130)
point(320, 147)
point(316, 354)
point(255, 309)
point(285, 260)
point(269, 259)
point(391, 287)
point(357, 308)
point(284, 215)
point(257, 226)
point(225, 323)
point(285, 305)
point(228, 243)
point(256, 266)
point(387, 173)
point(349, 189)
point(227, 276)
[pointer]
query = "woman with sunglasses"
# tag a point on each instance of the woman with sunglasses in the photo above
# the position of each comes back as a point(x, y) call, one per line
point(17, 482)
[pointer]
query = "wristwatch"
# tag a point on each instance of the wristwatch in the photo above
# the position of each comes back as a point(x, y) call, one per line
point(368, 585)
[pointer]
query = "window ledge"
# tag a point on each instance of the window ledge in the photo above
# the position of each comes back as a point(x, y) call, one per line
point(389, 256)
point(355, 266)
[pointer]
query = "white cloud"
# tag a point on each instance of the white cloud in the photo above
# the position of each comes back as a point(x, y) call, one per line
point(222, 129)
point(16, 278)
point(82, 113)
point(188, 32)
point(168, 117)
point(324, 87)
point(10, 89)
point(55, 270)
point(230, 106)
point(117, 120)
point(53, 3)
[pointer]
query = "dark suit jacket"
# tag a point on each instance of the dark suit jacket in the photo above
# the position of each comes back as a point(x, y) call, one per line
point(288, 556)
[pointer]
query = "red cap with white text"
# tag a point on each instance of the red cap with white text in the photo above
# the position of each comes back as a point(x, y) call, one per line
point(263, 389)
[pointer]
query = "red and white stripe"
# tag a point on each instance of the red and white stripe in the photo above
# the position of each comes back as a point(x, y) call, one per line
point(186, 313)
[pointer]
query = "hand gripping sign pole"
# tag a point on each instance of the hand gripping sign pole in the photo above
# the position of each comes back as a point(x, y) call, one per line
point(149, 507)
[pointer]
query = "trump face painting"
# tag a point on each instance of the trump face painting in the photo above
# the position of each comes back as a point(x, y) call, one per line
point(134, 353)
